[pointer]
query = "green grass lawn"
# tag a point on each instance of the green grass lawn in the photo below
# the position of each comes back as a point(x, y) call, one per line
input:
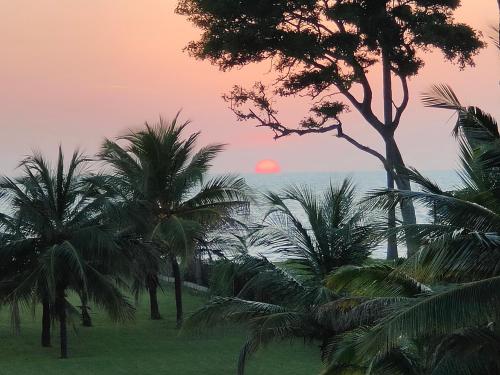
point(145, 347)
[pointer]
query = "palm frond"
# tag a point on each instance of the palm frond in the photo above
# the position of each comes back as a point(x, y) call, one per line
point(436, 315)
point(441, 96)
point(378, 280)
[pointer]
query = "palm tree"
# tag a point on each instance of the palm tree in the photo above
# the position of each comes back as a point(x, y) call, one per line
point(56, 240)
point(291, 300)
point(161, 180)
point(335, 232)
point(453, 329)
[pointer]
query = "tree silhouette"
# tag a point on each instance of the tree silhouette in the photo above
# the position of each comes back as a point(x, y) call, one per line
point(167, 195)
point(58, 240)
point(324, 48)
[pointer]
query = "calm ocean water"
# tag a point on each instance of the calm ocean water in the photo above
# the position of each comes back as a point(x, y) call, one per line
point(319, 181)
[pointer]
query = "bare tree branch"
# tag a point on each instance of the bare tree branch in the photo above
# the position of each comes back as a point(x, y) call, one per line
point(362, 147)
point(404, 103)
point(266, 117)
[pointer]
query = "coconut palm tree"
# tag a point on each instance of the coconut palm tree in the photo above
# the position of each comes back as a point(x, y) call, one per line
point(163, 188)
point(453, 329)
point(318, 234)
point(56, 240)
point(335, 232)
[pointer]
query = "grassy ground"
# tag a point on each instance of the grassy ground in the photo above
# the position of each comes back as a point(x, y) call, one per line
point(145, 347)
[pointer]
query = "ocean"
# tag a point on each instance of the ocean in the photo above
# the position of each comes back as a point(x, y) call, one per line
point(319, 181)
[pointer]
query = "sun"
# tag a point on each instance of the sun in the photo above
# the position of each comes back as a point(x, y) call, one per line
point(267, 166)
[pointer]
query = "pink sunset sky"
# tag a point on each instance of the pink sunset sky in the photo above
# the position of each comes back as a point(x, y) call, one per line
point(73, 72)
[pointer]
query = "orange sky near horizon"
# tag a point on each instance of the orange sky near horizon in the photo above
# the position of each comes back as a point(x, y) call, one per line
point(73, 72)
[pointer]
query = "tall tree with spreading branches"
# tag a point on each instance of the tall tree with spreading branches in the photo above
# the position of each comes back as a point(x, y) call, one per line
point(324, 48)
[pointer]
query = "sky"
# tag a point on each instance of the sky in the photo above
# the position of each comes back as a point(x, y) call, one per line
point(75, 71)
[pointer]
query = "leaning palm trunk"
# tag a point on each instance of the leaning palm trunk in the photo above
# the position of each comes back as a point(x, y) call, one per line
point(178, 289)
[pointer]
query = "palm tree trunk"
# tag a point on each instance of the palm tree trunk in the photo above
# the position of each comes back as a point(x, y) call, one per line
point(15, 318)
point(61, 312)
point(152, 285)
point(46, 322)
point(198, 271)
point(178, 289)
point(86, 319)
